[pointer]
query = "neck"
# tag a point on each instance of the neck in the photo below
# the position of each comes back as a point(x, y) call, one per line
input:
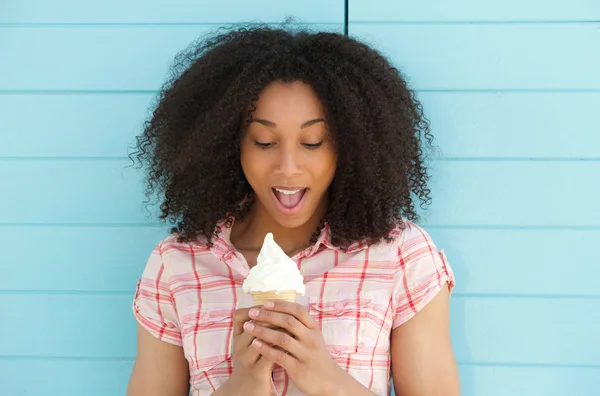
point(250, 233)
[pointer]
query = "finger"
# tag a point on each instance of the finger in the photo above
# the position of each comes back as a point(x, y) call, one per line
point(277, 338)
point(243, 350)
point(287, 361)
point(243, 341)
point(296, 310)
point(293, 309)
point(240, 316)
point(249, 355)
point(273, 319)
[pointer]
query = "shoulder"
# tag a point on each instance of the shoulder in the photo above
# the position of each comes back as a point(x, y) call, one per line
point(404, 238)
point(420, 260)
point(172, 256)
point(406, 235)
point(417, 257)
point(421, 271)
point(173, 246)
point(412, 237)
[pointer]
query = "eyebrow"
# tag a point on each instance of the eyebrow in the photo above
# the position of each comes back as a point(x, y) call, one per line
point(271, 124)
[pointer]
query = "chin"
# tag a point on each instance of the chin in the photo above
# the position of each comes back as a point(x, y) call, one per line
point(289, 222)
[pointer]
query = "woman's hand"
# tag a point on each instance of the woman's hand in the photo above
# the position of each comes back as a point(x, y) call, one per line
point(251, 372)
point(301, 349)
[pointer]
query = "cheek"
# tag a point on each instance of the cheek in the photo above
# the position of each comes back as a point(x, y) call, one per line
point(254, 167)
point(247, 163)
point(324, 168)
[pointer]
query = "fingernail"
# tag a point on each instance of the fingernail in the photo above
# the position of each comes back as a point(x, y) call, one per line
point(257, 343)
point(248, 326)
point(269, 304)
point(253, 313)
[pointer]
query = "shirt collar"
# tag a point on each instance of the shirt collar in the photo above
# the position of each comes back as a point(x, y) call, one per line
point(223, 247)
point(325, 240)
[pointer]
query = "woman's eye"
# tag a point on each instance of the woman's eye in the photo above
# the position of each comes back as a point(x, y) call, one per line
point(263, 145)
point(313, 145)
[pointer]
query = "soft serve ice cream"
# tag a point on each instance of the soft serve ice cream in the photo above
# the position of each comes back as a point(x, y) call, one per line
point(275, 275)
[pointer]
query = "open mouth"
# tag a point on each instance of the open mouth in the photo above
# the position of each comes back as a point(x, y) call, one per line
point(289, 200)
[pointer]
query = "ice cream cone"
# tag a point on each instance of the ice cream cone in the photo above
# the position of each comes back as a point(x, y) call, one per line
point(261, 297)
point(275, 277)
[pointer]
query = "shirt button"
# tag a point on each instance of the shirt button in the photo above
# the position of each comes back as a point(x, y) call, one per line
point(205, 316)
point(338, 305)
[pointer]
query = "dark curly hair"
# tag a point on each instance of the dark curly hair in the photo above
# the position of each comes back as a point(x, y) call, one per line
point(191, 143)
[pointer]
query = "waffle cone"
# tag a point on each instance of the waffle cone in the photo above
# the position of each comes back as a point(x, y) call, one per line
point(261, 297)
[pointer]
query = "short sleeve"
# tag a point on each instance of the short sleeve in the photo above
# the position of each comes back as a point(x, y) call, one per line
point(421, 272)
point(153, 304)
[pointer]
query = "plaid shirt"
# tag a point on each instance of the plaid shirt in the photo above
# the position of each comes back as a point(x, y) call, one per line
point(188, 293)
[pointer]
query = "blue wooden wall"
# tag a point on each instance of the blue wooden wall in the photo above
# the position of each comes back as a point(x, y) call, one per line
point(512, 89)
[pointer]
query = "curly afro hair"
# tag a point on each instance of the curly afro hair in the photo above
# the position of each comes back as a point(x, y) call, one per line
point(191, 143)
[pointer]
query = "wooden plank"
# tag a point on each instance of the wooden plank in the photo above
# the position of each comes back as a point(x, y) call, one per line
point(444, 57)
point(484, 330)
point(68, 325)
point(82, 125)
point(75, 258)
point(521, 261)
point(473, 10)
point(490, 56)
point(176, 11)
point(72, 191)
point(514, 124)
point(509, 193)
point(65, 377)
point(122, 57)
point(465, 124)
point(550, 331)
point(529, 380)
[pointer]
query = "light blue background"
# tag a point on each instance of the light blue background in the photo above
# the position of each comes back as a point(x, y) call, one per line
point(512, 89)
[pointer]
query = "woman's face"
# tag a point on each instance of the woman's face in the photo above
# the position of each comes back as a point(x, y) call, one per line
point(287, 154)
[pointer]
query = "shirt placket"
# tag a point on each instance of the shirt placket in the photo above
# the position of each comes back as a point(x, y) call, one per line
point(278, 380)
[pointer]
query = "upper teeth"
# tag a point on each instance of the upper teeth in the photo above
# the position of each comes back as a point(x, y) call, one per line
point(287, 192)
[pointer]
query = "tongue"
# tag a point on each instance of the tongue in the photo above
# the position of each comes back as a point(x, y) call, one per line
point(291, 200)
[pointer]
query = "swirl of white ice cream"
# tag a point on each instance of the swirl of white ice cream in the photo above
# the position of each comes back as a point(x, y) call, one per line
point(274, 271)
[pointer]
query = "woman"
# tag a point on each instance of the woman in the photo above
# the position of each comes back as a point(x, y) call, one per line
point(316, 139)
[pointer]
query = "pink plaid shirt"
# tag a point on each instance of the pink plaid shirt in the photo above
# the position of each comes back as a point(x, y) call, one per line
point(189, 292)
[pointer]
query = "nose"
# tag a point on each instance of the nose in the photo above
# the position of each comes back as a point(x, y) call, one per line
point(288, 163)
